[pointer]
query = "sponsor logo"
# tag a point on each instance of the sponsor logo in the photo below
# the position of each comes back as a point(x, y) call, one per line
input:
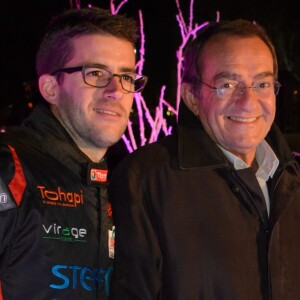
point(111, 242)
point(3, 198)
point(109, 210)
point(76, 277)
point(61, 198)
point(99, 175)
point(64, 234)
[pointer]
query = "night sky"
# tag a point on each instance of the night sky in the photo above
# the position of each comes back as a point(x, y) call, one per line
point(23, 22)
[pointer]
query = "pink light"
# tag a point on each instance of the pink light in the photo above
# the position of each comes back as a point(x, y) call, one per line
point(158, 124)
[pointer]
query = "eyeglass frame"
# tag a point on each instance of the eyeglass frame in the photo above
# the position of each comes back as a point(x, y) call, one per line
point(276, 87)
point(70, 70)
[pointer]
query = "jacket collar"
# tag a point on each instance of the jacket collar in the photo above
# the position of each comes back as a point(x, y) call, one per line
point(193, 140)
point(56, 141)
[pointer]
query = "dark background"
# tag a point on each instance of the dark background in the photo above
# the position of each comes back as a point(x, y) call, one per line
point(23, 22)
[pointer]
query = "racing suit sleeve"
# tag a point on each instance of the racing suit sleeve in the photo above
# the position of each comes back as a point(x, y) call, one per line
point(12, 185)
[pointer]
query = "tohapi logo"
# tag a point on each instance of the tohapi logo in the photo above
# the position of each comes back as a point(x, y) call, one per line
point(61, 198)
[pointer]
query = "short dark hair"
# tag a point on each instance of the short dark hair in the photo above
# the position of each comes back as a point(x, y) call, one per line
point(56, 49)
point(239, 27)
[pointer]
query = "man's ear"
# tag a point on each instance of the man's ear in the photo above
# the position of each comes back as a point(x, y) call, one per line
point(49, 88)
point(188, 97)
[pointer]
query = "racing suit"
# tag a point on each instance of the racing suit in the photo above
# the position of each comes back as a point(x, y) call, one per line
point(56, 234)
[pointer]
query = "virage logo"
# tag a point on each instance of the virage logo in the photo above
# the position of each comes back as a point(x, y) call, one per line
point(65, 234)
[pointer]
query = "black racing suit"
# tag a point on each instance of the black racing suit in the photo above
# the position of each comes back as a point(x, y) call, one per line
point(56, 235)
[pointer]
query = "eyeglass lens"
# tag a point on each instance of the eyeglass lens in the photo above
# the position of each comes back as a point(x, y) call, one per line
point(98, 77)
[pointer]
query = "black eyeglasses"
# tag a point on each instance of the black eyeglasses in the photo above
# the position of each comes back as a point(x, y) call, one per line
point(96, 76)
point(262, 89)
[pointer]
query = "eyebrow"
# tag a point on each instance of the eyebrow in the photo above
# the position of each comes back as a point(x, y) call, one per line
point(103, 66)
point(235, 76)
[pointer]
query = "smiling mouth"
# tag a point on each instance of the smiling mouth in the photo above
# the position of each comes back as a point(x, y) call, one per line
point(243, 120)
point(104, 111)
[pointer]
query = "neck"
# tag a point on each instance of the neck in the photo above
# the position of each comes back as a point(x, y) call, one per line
point(95, 155)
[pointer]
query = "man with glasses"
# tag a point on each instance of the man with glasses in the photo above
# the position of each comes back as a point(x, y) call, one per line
point(57, 236)
point(213, 211)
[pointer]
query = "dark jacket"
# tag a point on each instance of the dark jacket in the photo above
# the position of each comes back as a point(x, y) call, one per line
point(54, 215)
point(189, 228)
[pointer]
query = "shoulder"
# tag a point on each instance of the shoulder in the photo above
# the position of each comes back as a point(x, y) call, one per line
point(148, 159)
point(153, 153)
point(14, 148)
point(12, 181)
point(15, 137)
point(22, 140)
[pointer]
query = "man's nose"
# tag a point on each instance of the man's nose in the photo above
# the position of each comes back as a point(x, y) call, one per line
point(116, 82)
point(245, 89)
